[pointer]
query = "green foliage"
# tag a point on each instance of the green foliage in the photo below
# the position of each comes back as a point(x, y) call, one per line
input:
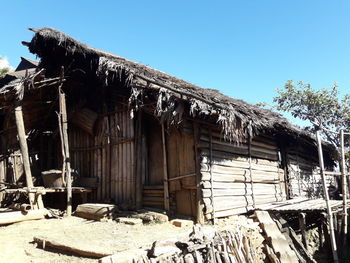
point(4, 70)
point(323, 108)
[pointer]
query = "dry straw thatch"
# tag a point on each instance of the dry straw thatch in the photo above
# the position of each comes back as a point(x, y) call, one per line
point(236, 117)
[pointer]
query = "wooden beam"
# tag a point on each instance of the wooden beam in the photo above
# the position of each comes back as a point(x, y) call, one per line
point(326, 197)
point(165, 172)
point(34, 202)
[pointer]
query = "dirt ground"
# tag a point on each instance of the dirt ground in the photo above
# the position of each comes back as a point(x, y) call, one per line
point(16, 244)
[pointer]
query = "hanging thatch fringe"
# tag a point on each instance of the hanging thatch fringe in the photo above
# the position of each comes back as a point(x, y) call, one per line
point(173, 94)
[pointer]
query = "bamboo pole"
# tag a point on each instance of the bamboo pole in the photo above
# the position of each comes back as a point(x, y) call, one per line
point(63, 112)
point(25, 155)
point(343, 171)
point(165, 172)
point(326, 197)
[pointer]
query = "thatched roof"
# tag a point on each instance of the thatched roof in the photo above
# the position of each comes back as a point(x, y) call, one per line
point(236, 117)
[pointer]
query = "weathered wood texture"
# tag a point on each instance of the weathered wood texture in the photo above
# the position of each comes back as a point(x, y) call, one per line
point(19, 216)
point(304, 179)
point(239, 184)
point(277, 240)
point(107, 155)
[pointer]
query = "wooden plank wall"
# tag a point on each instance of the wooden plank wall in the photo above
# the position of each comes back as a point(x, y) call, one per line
point(108, 155)
point(304, 179)
point(237, 183)
point(181, 169)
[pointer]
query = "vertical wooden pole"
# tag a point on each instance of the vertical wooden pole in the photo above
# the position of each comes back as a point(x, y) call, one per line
point(344, 188)
point(250, 164)
point(211, 175)
point(25, 155)
point(63, 111)
point(138, 151)
point(199, 201)
point(302, 226)
point(165, 172)
point(320, 236)
point(326, 197)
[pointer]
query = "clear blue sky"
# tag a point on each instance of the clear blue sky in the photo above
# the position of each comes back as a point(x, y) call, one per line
point(246, 49)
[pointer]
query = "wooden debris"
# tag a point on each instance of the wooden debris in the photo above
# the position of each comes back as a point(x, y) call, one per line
point(96, 211)
point(275, 238)
point(44, 242)
point(182, 222)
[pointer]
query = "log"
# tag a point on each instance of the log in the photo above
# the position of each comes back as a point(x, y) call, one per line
point(44, 242)
point(18, 216)
point(96, 211)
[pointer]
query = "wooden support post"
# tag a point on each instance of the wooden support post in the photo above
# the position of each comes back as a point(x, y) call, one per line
point(63, 113)
point(327, 239)
point(165, 172)
point(344, 188)
point(326, 197)
point(138, 151)
point(211, 174)
point(320, 236)
point(36, 203)
point(199, 201)
point(250, 163)
point(302, 226)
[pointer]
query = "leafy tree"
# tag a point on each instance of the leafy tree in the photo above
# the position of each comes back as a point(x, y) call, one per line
point(322, 108)
point(4, 70)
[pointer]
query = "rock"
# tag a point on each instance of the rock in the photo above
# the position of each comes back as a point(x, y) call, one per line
point(182, 223)
point(151, 216)
point(202, 233)
point(129, 221)
point(127, 256)
point(163, 247)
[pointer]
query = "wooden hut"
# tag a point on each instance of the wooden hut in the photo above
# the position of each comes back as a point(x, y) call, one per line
point(150, 139)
